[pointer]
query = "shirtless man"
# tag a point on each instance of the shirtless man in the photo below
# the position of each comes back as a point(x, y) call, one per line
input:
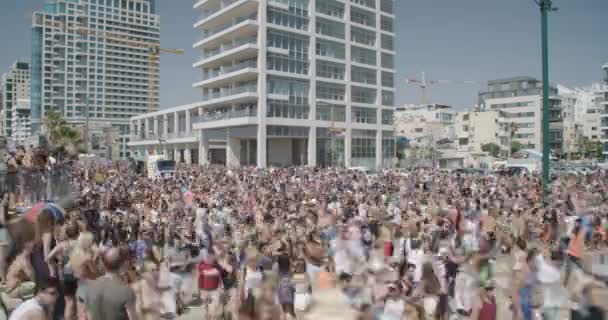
point(20, 275)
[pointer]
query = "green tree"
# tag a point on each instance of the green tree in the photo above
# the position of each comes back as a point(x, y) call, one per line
point(62, 137)
point(491, 148)
point(516, 146)
point(589, 148)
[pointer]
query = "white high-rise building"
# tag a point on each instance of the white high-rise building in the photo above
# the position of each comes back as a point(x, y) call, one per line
point(15, 86)
point(519, 101)
point(285, 82)
point(20, 124)
point(604, 114)
point(91, 62)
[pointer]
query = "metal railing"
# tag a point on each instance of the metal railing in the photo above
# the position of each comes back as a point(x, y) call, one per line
point(225, 47)
point(226, 26)
point(215, 116)
point(229, 92)
point(226, 70)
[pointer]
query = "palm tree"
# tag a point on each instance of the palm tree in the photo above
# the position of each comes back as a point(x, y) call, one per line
point(61, 136)
point(54, 122)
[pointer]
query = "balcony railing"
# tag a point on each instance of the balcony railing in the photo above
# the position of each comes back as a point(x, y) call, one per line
point(229, 46)
point(215, 31)
point(229, 69)
point(229, 92)
point(215, 116)
point(207, 14)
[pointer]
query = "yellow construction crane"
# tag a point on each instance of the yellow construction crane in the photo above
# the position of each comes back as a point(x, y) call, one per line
point(154, 50)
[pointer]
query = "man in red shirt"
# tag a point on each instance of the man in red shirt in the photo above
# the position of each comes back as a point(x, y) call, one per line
point(209, 282)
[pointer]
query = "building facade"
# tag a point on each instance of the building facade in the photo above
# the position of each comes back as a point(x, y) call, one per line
point(20, 122)
point(425, 123)
point(519, 102)
point(477, 128)
point(91, 62)
point(15, 87)
point(604, 114)
point(285, 82)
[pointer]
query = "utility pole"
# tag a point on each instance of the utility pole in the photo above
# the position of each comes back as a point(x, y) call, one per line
point(545, 7)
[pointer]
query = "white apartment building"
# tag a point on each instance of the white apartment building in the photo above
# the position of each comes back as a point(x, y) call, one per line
point(20, 122)
point(91, 62)
point(284, 82)
point(581, 111)
point(604, 114)
point(519, 102)
point(15, 86)
point(477, 128)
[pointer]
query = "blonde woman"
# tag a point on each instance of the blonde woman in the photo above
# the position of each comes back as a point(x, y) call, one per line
point(82, 263)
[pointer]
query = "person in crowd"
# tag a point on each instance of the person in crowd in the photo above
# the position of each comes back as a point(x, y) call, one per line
point(108, 297)
point(37, 308)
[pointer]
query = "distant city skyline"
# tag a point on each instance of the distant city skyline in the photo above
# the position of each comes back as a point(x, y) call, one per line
point(467, 40)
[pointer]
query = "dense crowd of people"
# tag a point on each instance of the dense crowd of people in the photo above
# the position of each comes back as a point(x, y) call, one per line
point(253, 243)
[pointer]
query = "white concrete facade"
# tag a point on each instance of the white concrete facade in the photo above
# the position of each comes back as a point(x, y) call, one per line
point(519, 102)
point(423, 124)
point(475, 129)
point(286, 82)
point(20, 123)
point(604, 114)
point(80, 70)
point(15, 86)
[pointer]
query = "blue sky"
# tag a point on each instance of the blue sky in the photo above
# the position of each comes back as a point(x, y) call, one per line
point(472, 40)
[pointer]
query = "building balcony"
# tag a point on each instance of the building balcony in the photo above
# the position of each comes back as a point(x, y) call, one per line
point(230, 9)
point(238, 50)
point(245, 28)
point(244, 72)
point(208, 34)
point(232, 114)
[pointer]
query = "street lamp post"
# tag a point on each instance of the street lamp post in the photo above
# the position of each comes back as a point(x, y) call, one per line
point(545, 7)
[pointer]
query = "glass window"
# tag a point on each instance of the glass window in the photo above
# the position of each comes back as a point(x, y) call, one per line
point(387, 117)
point(330, 7)
point(330, 70)
point(330, 91)
point(330, 28)
point(388, 98)
point(388, 79)
point(361, 55)
point(363, 145)
point(363, 17)
point(330, 49)
point(363, 75)
point(325, 112)
point(386, 6)
point(297, 59)
point(386, 24)
point(295, 17)
point(387, 42)
point(363, 95)
point(363, 36)
point(388, 144)
point(363, 115)
point(366, 3)
point(285, 131)
point(388, 61)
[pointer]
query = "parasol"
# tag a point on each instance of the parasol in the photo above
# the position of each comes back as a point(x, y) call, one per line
point(32, 214)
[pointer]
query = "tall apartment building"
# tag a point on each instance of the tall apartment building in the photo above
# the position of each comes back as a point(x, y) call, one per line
point(20, 123)
point(519, 102)
point(15, 86)
point(90, 62)
point(285, 82)
point(604, 114)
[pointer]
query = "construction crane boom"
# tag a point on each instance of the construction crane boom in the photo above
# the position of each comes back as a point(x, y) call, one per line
point(423, 83)
point(153, 52)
